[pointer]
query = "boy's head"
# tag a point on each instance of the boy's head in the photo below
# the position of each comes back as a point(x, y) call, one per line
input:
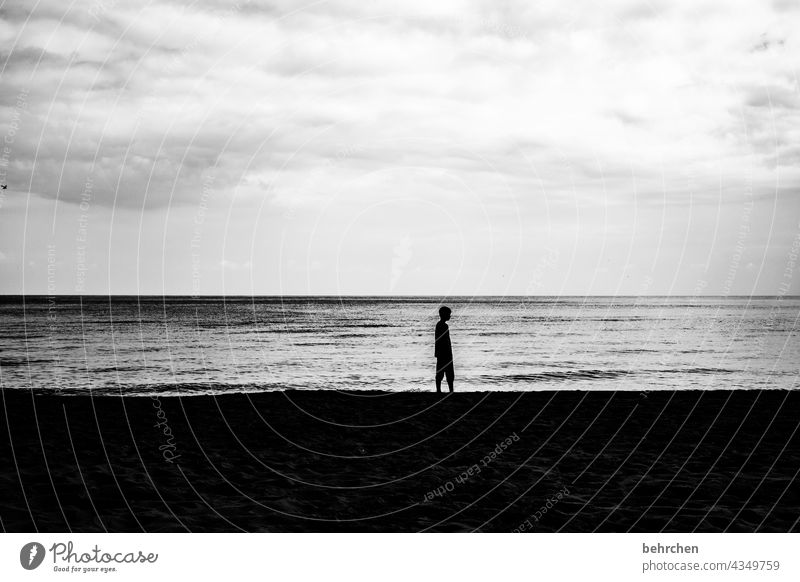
point(444, 313)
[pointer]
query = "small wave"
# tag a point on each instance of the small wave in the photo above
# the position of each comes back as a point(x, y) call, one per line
point(15, 362)
point(557, 375)
point(592, 374)
point(175, 389)
point(697, 371)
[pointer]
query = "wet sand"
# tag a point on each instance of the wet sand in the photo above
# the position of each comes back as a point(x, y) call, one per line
point(370, 461)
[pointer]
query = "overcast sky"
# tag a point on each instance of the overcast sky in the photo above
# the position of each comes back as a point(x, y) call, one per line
point(427, 147)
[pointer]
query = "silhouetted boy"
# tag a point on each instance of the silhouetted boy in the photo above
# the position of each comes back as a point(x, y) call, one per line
point(443, 351)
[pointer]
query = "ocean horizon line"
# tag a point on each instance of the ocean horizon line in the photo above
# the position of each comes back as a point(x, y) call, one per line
point(385, 296)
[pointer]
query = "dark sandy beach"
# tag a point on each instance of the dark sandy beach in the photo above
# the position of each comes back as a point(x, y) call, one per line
point(371, 461)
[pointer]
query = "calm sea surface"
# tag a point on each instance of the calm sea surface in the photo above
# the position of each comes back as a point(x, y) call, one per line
point(213, 345)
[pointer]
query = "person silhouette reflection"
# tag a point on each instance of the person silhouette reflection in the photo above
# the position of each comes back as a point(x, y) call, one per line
point(443, 350)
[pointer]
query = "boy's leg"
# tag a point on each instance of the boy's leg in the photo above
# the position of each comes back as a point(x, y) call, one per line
point(450, 376)
point(439, 376)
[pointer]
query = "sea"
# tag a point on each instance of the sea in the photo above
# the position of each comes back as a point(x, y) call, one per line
point(214, 345)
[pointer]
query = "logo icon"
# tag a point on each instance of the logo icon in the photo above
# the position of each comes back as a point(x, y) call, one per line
point(31, 555)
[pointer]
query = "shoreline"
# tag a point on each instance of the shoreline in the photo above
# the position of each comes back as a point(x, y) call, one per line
point(45, 396)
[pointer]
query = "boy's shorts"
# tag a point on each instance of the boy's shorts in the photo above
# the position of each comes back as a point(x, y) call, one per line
point(444, 368)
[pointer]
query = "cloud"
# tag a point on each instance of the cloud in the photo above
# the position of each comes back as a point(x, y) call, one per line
point(538, 107)
point(150, 97)
point(773, 97)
